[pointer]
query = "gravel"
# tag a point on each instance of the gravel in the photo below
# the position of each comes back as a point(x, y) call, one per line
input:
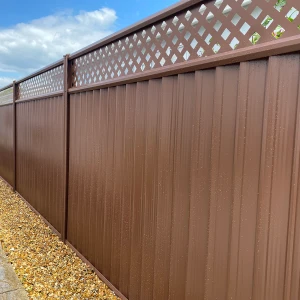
point(47, 268)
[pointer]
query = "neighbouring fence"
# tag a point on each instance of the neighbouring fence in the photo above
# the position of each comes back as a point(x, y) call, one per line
point(167, 155)
point(39, 156)
point(6, 143)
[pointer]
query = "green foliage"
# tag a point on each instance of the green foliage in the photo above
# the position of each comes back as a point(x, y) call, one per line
point(267, 21)
point(278, 32)
point(280, 4)
point(255, 38)
point(293, 14)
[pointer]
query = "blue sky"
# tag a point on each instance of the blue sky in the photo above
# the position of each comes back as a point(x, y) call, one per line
point(34, 33)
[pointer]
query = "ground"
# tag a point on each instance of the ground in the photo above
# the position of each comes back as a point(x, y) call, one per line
point(47, 268)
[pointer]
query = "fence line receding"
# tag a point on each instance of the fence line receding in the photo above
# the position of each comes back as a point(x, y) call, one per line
point(167, 155)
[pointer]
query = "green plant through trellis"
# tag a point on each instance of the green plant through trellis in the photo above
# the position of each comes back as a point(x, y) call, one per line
point(278, 32)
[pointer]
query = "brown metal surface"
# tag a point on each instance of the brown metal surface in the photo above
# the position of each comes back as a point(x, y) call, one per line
point(184, 187)
point(40, 145)
point(6, 144)
point(278, 154)
point(41, 97)
point(14, 88)
point(66, 99)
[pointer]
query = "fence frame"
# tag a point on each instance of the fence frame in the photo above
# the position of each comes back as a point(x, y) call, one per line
point(276, 47)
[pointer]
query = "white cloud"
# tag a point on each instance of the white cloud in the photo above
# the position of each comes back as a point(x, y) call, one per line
point(27, 47)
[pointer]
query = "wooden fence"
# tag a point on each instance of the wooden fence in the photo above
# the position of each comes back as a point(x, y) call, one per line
point(167, 155)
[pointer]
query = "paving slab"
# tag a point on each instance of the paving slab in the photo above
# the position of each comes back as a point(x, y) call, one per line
point(10, 286)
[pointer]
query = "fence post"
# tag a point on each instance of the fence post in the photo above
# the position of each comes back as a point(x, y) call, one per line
point(66, 145)
point(14, 136)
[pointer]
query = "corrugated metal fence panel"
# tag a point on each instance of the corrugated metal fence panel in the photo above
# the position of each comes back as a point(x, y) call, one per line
point(40, 140)
point(185, 187)
point(6, 143)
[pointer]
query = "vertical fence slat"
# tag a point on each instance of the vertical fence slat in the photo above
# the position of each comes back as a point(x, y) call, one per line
point(150, 188)
point(14, 136)
point(138, 193)
point(222, 172)
point(182, 185)
point(66, 146)
point(292, 273)
point(250, 110)
point(127, 192)
point(165, 187)
point(282, 168)
point(200, 184)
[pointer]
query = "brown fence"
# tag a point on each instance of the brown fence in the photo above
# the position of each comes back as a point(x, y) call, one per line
point(6, 143)
point(40, 156)
point(167, 155)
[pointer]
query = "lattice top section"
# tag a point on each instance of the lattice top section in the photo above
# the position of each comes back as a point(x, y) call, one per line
point(6, 96)
point(202, 30)
point(48, 82)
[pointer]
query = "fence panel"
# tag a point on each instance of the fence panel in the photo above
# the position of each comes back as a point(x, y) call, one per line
point(180, 187)
point(6, 143)
point(40, 144)
point(168, 155)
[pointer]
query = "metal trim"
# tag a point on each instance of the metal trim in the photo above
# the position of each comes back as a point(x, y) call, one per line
point(41, 97)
